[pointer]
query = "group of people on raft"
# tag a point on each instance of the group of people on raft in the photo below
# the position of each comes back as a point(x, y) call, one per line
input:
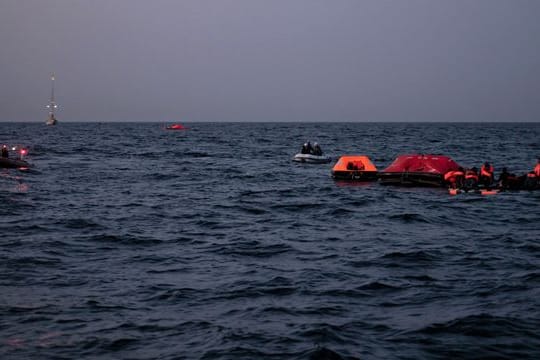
point(472, 179)
point(313, 150)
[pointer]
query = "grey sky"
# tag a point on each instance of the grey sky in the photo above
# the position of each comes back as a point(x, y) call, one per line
point(271, 60)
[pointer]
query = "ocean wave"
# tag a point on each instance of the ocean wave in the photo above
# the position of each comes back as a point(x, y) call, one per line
point(409, 218)
point(301, 311)
point(411, 258)
point(253, 248)
point(124, 239)
point(250, 209)
point(483, 326)
point(79, 224)
point(134, 242)
point(175, 295)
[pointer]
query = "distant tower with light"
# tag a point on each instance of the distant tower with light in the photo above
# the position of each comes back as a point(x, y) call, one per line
point(52, 105)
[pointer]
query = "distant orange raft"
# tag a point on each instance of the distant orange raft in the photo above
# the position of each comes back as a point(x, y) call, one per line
point(176, 127)
point(354, 168)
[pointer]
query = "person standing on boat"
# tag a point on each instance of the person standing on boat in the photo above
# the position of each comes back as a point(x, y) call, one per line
point(537, 169)
point(5, 152)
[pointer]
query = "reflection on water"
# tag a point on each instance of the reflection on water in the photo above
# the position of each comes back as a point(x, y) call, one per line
point(13, 181)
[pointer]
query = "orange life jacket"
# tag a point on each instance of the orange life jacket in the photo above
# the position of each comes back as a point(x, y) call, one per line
point(486, 171)
point(537, 169)
point(470, 174)
point(452, 175)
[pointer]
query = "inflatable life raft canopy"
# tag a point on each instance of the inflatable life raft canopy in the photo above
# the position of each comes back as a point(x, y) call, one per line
point(354, 167)
point(418, 169)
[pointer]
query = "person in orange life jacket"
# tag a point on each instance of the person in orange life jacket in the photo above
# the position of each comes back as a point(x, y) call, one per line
point(531, 181)
point(486, 174)
point(455, 178)
point(471, 178)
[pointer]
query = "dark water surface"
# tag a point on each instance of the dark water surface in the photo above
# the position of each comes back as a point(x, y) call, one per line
point(127, 241)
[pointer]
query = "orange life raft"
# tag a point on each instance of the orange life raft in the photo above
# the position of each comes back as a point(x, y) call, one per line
point(354, 168)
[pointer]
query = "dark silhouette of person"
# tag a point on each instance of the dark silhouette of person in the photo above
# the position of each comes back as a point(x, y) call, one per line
point(306, 148)
point(530, 181)
point(5, 152)
point(504, 179)
point(471, 179)
point(309, 148)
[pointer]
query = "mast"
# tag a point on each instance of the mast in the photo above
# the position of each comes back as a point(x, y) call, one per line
point(52, 88)
point(52, 104)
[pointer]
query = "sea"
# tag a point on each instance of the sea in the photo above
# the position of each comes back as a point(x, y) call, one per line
point(129, 241)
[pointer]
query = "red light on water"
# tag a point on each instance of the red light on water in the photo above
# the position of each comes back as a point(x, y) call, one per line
point(24, 151)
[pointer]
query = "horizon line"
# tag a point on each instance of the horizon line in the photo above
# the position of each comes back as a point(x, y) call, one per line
point(282, 122)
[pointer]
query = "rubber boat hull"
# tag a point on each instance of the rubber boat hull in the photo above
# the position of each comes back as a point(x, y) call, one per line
point(311, 159)
point(13, 163)
point(352, 175)
point(354, 168)
point(474, 191)
point(411, 179)
point(496, 189)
